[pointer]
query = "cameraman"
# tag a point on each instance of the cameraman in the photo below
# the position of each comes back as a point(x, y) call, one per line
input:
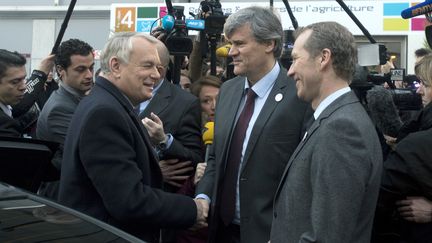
point(407, 176)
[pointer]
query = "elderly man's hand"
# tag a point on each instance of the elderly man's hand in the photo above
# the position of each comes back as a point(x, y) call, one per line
point(155, 128)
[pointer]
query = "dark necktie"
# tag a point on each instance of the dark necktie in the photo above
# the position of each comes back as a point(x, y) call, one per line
point(229, 185)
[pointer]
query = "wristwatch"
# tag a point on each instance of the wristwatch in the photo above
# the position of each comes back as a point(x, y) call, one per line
point(164, 144)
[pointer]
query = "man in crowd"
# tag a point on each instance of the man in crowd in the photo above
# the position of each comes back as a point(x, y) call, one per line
point(258, 124)
point(74, 64)
point(16, 94)
point(329, 189)
point(178, 136)
point(173, 119)
point(109, 168)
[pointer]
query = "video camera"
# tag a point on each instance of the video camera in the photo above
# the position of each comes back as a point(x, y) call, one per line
point(177, 41)
point(405, 98)
point(211, 12)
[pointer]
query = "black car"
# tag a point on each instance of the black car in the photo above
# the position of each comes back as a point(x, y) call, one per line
point(25, 217)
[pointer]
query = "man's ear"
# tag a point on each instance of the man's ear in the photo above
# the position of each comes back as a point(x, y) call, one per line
point(325, 57)
point(59, 70)
point(115, 66)
point(270, 46)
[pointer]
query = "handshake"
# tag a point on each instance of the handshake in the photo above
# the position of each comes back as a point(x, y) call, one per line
point(202, 214)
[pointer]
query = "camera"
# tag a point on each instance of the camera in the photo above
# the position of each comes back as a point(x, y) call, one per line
point(211, 11)
point(405, 99)
point(177, 40)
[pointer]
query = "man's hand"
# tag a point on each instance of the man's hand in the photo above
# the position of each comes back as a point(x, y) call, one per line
point(202, 214)
point(415, 209)
point(390, 141)
point(200, 169)
point(175, 172)
point(155, 128)
point(47, 64)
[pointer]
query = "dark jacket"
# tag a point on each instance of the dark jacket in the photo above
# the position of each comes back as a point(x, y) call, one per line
point(110, 171)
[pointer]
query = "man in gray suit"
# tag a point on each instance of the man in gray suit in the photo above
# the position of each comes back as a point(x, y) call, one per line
point(329, 189)
point(254, 132)
point(74, 64)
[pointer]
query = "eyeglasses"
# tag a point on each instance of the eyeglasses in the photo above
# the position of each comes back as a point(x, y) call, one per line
point(423, 83)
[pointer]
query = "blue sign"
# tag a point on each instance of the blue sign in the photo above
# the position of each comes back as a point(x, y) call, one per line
point(144, 25)
point(195, 24)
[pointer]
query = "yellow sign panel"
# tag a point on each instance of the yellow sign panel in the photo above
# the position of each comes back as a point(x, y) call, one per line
point(125, 19)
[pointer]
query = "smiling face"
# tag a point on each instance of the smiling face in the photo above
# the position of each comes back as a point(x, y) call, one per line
point(138, 77)
point(13, 85)
point(250, 58)
point(79, 74)
point(305, 70)
point(208, 96)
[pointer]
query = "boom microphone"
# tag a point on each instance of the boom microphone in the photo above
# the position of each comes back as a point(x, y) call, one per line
point(419, 9)
point(208, 137)
point(223, 50)
point(383, 111)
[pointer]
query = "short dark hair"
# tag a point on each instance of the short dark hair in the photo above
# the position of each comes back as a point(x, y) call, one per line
point(10, 59)
point(422, 52)
point(69, 48)
point(338, 39)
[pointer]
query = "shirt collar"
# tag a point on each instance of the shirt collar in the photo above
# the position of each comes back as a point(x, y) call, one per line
point(329, 99)
point(7, 109)
point(265, 83)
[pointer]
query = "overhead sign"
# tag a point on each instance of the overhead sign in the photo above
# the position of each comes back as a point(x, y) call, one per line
point(378, 17)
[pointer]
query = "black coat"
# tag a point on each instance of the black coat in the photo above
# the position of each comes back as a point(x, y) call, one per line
point(407, 172)
point(110, 170)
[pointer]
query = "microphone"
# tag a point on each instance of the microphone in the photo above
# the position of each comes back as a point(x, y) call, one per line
point(208, 137)
point(223, 50)
point(168, 22)
point(419, 9)
point(383, 111)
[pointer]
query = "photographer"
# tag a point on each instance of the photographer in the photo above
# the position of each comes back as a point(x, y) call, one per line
point(407, 176)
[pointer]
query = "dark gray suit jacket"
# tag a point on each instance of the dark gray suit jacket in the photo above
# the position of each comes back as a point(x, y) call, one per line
point(180, 113)
point(52, 125)
point(329, 189)
point(9, 127)
point(275, 135)
point(110, 171)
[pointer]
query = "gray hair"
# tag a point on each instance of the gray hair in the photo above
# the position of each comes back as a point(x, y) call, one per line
point(339, 40)
point(263, 22)
point(120, 46)
point(164, 54)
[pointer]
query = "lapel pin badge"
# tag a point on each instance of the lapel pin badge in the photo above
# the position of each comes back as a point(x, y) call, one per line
point(278, 97)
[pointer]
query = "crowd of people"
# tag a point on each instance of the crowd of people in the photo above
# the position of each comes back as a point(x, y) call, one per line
point(294, 157)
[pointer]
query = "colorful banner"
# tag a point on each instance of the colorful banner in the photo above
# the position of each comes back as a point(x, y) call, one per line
point(378, 17)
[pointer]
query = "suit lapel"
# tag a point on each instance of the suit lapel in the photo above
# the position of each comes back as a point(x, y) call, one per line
point(265, 114)
point(343, 100)
point(159, 102)
point(108, 86)
point(231, 102)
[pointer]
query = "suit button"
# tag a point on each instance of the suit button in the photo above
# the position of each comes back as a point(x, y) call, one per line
point(275, 214)
point(243, 179)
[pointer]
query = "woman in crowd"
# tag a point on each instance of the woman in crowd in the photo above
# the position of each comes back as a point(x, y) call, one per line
point(407, 174)
point(207, 90)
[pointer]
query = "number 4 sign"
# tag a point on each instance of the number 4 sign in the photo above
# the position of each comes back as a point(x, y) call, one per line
point(125, 19)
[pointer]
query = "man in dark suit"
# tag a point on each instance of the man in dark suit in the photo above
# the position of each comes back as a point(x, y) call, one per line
point(17, 94)
point(329, 189)
point(109, 168)
point(178, 135)
point(74, 64)
point(249, 155)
